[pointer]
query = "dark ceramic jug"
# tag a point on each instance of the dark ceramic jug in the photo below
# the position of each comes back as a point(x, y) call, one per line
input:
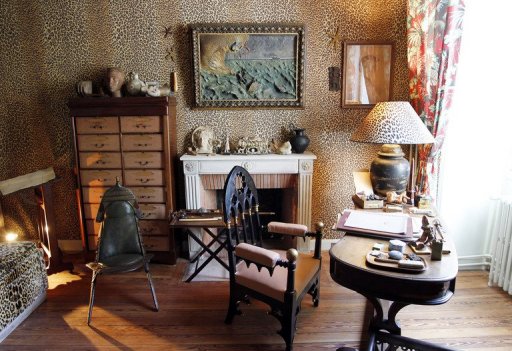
point(299, 141)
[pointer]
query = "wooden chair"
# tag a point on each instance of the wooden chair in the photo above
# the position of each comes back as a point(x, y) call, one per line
point(120, 246)
point(287, 276)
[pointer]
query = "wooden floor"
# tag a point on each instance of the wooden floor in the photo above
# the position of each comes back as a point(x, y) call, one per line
point(191, 317)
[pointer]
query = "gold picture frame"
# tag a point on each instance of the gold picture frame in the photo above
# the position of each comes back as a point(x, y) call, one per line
point(367, 73)
point(248, 65)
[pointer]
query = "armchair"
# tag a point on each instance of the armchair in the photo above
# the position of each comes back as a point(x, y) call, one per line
point(286, 277)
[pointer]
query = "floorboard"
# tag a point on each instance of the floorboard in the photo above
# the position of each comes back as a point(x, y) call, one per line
point(191, 316)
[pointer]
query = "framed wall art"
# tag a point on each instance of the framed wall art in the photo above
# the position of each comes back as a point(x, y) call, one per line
point(248, 66)
point(367, 74)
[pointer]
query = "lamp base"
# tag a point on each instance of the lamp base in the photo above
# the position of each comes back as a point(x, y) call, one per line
point(390, 170)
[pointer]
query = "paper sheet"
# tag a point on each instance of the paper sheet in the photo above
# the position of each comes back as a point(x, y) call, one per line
point(362, 182)
point(384, 222)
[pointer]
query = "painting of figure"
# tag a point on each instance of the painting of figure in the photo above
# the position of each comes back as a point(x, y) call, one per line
point(367, 75)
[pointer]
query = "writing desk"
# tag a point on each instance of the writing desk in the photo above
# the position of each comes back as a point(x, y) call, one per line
point(206, 225)
point(434, 286)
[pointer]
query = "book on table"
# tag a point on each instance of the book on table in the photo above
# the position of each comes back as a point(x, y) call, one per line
point(199, 215)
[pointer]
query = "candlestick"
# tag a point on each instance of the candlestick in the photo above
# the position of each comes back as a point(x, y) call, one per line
point(173, 82)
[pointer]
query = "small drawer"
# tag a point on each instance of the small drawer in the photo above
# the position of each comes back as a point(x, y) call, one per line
point(92, 242)
point(149, 194)
point(92, 227)
point(94, 142)
point(143, 177)
point(152, 211)
point(92, 194)
point(91, 211)
point(141, 124)
point(142, 142)
point(156, 243)
point(100, 160)
point(96, 125)
point(143, 159)
point(99, 178)
point(154, 227)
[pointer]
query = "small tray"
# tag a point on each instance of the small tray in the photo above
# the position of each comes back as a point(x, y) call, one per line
point(392, 266)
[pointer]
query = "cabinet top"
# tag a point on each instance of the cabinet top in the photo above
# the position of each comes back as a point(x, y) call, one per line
point(109, 106)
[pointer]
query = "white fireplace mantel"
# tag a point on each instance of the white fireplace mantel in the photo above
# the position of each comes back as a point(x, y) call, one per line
point(195, 166)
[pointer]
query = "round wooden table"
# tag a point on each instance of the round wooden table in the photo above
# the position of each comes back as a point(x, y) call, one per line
point(433, 286)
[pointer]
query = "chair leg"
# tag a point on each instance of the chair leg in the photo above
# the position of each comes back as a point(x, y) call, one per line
point(91, 296)
point(232, 310)
point(288, 331)
point(315, 292)
point(288, 327)
point(234, 305)
point(151, 287)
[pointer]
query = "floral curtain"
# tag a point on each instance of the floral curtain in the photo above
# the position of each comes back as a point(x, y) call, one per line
point(434, 29)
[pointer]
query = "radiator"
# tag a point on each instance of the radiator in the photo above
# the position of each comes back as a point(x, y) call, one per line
point(500, 240)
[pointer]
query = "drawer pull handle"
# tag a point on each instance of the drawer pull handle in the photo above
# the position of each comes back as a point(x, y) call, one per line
point(102, 180)
point(101, 162)
point(97, 126)
point(141, 125)
point(99, 146)
point(143, 163)
point(146, 196)
point(142, 145)
point(143, 180)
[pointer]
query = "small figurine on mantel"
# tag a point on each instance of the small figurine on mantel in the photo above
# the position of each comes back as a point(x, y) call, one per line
point(283, 149)
point(227, 149)
point(202, 140)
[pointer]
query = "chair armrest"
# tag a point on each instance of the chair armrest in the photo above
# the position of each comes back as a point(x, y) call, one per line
point(287, 228)
point(257, 255)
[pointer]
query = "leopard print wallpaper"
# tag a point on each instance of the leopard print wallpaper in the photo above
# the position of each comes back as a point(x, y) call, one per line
point(47, 46)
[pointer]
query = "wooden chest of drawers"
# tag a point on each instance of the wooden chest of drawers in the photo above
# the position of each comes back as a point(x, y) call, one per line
point(133, 138)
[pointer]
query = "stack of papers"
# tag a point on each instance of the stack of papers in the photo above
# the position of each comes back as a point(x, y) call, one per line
point(382, 222)
point(376, 224)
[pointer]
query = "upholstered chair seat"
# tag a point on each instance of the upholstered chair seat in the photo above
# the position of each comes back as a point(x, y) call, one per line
point(275, 285)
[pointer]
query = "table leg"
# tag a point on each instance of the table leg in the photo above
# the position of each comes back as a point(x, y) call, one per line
point(206, 248)
point(200, 253)
point(385, 315)
point(384, 318)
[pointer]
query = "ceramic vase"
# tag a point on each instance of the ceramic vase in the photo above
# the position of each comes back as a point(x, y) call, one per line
point(134, 84)
point(299, 141)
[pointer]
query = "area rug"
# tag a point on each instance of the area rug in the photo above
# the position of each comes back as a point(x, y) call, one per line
point(213, 272)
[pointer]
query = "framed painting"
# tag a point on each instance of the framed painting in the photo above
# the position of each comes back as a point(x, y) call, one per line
point(248, 66)
point(367, 74)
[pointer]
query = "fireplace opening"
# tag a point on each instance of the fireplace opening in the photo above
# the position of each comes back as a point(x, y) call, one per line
point(274, 205)
point(281, 198)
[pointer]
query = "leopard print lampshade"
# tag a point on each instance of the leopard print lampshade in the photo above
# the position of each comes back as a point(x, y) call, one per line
point(392, 122)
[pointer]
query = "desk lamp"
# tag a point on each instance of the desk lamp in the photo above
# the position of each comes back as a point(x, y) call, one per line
point(391, 123)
